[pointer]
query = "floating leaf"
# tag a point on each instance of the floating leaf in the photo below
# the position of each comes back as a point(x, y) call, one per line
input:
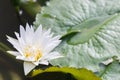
point(111, 72)
point(90, 30)
point(78, 74)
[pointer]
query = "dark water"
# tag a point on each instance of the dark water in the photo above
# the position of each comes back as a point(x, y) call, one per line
point(9, 22)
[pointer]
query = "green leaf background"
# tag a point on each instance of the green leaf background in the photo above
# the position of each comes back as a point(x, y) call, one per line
point(111, 72)
point(90, 31)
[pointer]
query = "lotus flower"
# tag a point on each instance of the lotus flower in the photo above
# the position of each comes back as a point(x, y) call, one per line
point(34, 47)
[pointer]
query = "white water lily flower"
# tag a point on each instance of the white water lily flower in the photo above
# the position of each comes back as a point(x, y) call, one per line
point(34, 47)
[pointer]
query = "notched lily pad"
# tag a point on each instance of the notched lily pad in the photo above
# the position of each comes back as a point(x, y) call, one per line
point(97, 29)
point(89, 28)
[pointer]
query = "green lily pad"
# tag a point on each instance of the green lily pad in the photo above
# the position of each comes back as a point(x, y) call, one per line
point(90, 31)
point(111, 72)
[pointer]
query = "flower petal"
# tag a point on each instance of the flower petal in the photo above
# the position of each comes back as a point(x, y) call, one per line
point(14, 53)
point(44, 62)
point(29, 34)
point(22, 32)
point(50, 46)
point(15, 43)
point(28, 66)
point(52, 55)
point(37, 38)
point(20, 40)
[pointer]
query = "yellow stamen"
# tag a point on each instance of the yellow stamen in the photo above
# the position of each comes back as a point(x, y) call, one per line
point(38, 55)
point(27, 54)
point(33, 53)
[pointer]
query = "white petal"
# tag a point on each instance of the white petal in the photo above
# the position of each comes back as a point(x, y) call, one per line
point(22, 32)
point(29, 34)
point(24, 58)
point(47, 33)
point(12, 40)
point(36, 63)
point(50, 46)
point(38, 30)
point(20, 57)
point(27, 27)
point(38, 35)
point(17, 35)
point(28, 67)
point(15, 53)
point(44, 62)
point(51, 43)
point(52, 55)
point(15, 43)
point(20, 39)
point(57, 37)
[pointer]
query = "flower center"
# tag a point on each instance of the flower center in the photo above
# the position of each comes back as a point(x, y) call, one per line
point(32, 52)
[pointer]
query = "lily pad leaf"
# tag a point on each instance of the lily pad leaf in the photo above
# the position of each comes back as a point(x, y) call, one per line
point(78, 74)
point(96, 24)
point(89, 28)
point(111, 72)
